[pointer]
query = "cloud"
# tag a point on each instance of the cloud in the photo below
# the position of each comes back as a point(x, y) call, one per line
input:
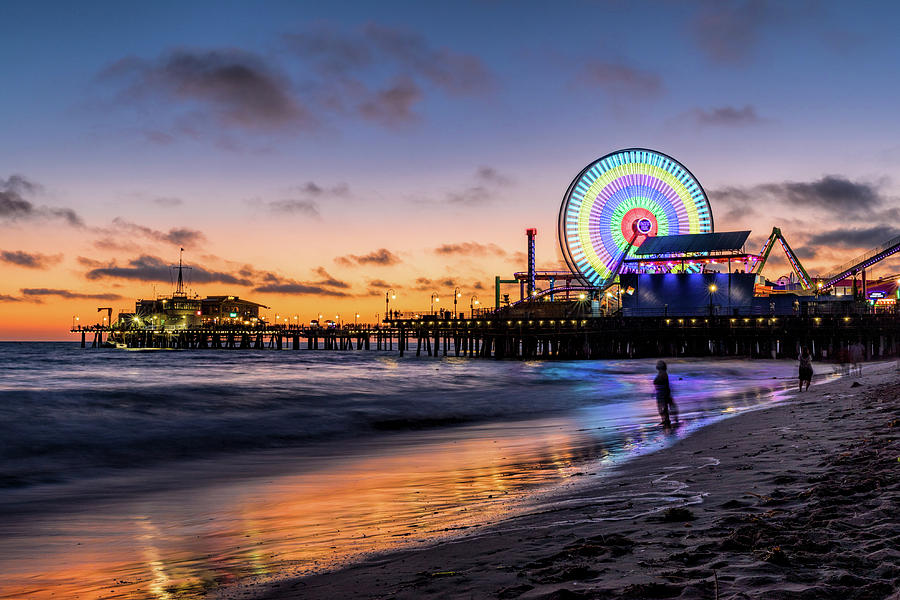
point(381, 257)
point(29, 260)
point(14, 206)
point(313, 189)
point(308, 203)
point(235, 87)
point(620, 80)
point(152, 268)
point(405, 53)
point(329, 280)
point(727, 116)
point(6, 298)
point(728, 30)
point(470, 248)
point(488, 182)
point(835, 193)
point(308, 208)
point(35, 294)
point(373, 72)
point(296, 287)
point(392, 106)
point(848, 237)
point(179, 236)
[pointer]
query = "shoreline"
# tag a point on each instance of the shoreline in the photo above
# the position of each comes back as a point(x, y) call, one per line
point(746, 511)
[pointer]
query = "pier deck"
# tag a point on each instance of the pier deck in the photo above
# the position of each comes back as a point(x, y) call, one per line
point(579, 338)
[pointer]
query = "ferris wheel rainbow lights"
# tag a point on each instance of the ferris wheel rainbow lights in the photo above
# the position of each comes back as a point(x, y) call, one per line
point(620, 200)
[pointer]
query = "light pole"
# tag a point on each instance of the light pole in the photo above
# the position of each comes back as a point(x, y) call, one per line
point(456, 295)
point(712, 290)
point(472, 302)
point(337, 319)
point(434, 298)
point(356, 319)
point(388, 296)
point(75, 319)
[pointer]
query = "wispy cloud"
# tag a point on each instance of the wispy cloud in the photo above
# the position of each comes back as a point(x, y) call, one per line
point(725, 116)
point(620, 80)
point(37, 294)
point(381, 257)
point(488, 182)
point(14, 206)
point(470, 249)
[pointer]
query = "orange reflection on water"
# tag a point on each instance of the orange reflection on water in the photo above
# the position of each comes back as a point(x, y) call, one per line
point(185, 543)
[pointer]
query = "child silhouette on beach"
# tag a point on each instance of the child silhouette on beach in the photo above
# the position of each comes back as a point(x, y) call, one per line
point(664, 402)
point(806, 370)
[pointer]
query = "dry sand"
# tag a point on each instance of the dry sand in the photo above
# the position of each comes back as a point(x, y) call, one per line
point(799, 500)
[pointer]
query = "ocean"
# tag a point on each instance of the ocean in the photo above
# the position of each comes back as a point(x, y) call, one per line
point(177, 474)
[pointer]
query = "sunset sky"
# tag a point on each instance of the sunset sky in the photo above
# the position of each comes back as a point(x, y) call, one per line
point(309, 155)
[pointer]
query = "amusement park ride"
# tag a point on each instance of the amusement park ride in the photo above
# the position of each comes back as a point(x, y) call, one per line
point(635, 216)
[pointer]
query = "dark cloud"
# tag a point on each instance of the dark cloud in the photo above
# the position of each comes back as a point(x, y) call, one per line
point(237, 88)
point(846, 237)
point(5, 298)
point(35, 294)
point(729, 30)
point(179, 236)
point(14, 206)
point(805, 252)
point(849, 199)
point(727, 116)
point(620, 80)
point(470, 248)
point(381, 257)
point(329, 280)
point(29, 260)
point(152, 268)
point(488, 182)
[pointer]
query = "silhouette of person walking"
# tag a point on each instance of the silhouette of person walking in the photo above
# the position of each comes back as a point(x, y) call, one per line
point(806, 370)
point(664, 402)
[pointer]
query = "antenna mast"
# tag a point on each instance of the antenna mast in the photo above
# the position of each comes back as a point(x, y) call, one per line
point(179, 289)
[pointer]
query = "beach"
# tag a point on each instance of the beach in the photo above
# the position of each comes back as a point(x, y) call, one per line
point(798, 500)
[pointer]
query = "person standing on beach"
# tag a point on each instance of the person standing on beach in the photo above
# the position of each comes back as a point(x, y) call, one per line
point(664, 401)
point(856, 357)
point(806, 370)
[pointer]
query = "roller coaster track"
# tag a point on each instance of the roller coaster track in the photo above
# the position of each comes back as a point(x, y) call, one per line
point(862, 261)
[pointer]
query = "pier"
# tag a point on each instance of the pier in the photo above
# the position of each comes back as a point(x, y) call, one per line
point(554, 339)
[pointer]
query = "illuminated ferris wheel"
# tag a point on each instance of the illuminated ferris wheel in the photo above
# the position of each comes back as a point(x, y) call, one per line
point(620, 200)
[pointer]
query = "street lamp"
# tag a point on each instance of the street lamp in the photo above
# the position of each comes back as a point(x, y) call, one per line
point(434, 298)
point(456, 295)
point(472, 302)
point(712, 290)
point(337, 319)
point(388, 296)
point(75, 319)
point(355, 319)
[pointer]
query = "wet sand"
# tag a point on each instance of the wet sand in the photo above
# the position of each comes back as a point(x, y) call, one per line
point(799, 500)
